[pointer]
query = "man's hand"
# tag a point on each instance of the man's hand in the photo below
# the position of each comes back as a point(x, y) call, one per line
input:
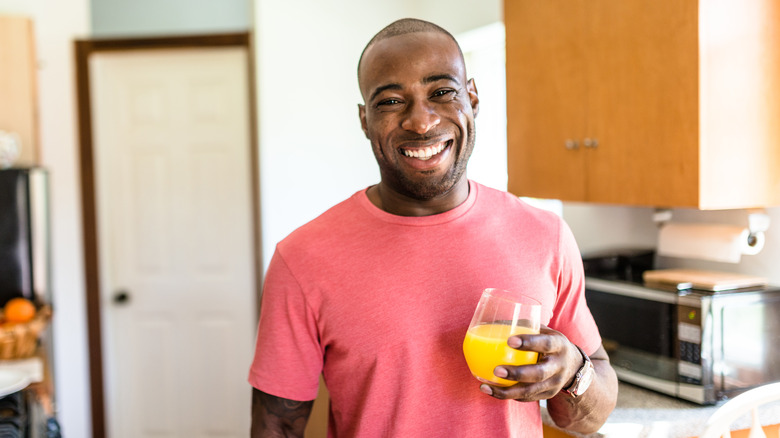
point(559, 360)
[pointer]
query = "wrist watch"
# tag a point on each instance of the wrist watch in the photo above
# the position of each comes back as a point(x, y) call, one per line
point(582, 379)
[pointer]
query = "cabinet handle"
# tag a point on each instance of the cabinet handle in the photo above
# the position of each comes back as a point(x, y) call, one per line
point(572, 144)
point(591, 143)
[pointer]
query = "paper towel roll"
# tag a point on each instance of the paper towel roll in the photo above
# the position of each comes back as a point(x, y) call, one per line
point(720, 243)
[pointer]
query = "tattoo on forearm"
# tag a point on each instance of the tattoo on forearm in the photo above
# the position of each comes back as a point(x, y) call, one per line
point(278, 417)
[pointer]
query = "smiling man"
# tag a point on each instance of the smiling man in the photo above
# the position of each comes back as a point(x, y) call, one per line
point(377, 293)
point(419, 116)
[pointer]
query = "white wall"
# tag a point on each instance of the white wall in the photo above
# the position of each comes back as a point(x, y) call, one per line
point(602, 227)
point(57, 23)
point(484, 53)
point(457, 16)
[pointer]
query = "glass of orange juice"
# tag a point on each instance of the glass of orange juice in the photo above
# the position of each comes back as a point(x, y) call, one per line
point(499, 315)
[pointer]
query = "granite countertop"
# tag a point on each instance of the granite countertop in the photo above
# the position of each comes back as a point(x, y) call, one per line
point(641, 413)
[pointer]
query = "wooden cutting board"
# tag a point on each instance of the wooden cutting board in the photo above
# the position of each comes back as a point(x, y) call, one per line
point(704, 280)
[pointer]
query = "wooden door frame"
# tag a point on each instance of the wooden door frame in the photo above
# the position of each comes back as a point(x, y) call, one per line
point(83, 50)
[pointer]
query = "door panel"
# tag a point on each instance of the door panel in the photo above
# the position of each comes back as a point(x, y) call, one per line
point(174, 211)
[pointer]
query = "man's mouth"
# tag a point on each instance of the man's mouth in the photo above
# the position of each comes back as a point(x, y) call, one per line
point(425, 153)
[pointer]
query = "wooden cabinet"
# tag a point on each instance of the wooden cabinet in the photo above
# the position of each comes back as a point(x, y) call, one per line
point(18, 89)
point(661, 103)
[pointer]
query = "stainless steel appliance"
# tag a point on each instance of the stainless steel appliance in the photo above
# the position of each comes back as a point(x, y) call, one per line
point(697, 345)
point(24, 239)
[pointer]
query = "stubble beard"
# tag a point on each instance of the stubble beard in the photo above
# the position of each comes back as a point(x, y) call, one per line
point(430, 188)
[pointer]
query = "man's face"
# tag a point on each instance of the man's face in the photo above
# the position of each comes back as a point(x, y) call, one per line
point(419, 112)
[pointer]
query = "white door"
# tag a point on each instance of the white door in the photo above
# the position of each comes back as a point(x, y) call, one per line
point(171, 130)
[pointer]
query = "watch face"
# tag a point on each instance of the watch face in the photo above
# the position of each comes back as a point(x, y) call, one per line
point(584, 382)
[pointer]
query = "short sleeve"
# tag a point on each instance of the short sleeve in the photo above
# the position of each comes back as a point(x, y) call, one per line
point(288, 357)
point(572, 316)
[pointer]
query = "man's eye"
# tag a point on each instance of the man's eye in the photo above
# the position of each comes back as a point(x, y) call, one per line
point(388, 102)
point(444, 92)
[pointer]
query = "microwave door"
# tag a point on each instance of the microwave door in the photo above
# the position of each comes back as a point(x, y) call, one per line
point(638, 328)
point(745, 339)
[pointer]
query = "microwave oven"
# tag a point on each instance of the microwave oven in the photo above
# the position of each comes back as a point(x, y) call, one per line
point(696, 345)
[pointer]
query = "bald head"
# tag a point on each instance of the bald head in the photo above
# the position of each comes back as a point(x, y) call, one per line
point(402, 27)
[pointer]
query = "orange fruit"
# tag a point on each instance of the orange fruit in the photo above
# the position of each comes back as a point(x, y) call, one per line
point(19, 310)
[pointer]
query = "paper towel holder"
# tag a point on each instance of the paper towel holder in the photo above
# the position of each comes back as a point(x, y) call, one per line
point(758, 222)
point(757, 218)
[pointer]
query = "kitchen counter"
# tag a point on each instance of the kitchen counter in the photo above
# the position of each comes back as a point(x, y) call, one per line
point(641, 413)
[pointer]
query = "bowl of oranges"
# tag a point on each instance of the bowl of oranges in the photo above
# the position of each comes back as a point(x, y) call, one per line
point(21, 325)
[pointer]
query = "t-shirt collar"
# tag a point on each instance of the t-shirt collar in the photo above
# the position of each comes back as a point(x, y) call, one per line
point(435, 219)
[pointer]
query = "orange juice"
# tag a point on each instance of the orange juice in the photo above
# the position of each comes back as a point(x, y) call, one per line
point(485, 348)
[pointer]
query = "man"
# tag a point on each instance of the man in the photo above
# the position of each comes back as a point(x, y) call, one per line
point(376, 294)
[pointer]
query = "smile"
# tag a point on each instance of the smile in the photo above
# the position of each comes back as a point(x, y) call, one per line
point(425, 153)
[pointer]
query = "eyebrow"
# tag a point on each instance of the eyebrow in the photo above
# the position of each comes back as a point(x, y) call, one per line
point(383, 88)
point(441, 77)
point(426, 80)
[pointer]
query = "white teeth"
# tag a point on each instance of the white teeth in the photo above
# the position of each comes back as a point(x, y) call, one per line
point(425, 153)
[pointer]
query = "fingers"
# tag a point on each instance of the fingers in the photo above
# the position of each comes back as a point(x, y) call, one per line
point(542, 380)
point(522, 391)
point(548, 341)
point(543, 369)
point(518, 392)
point(534, 382)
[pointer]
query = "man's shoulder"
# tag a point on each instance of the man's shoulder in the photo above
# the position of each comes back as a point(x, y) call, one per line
point(516, 207)
point(327, 223)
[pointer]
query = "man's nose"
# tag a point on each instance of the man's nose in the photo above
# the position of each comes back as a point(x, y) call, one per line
point(420, 117)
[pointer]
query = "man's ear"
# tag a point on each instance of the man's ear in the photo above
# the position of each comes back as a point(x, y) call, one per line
point(362, 115)
point(471, 86)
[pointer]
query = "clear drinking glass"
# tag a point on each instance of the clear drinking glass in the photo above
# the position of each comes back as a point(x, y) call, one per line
point(499, 315)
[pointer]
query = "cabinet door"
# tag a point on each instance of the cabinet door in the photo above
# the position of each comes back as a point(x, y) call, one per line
point(18, 89)
point(642, 65)
point(546, 97)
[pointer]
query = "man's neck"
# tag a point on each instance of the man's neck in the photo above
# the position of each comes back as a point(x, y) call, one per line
point(395, 203)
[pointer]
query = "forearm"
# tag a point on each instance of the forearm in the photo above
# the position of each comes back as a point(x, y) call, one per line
point(588, 412)
point(274, 417)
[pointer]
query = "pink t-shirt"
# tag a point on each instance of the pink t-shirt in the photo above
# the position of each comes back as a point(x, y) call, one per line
point(380, 304)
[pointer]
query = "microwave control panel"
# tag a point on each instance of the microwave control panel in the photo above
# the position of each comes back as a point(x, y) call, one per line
point(689, 343)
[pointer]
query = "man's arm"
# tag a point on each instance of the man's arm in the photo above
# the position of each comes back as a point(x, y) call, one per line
point(587, 413)
point(274, 417)
point(558, 362)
